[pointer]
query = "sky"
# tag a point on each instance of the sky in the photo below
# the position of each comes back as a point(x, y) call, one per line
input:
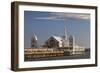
point(46, 24)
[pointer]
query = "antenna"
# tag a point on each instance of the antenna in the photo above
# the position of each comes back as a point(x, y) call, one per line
point(65, 32)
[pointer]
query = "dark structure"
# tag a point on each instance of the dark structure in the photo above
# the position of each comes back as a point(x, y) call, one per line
point(52, 43)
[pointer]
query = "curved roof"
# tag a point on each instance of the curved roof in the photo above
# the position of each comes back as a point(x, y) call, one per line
point(59, 39)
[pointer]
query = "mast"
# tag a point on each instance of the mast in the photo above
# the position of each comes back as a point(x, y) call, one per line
point(65, 33)
point(65, 40)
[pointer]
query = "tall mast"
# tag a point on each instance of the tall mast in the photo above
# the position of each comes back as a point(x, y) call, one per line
point(65, 33)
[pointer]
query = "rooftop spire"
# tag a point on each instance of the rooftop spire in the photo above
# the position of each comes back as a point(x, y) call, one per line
point(34, 41)
point(65, 32)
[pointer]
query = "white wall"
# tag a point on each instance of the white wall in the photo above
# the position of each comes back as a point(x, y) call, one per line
point(5, 40)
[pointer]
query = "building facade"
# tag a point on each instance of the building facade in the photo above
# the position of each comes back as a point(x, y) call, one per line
point(65, 42)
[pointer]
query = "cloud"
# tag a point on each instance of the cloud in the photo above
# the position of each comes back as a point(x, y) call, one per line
point(64, 16)
point(72, 15)
point(50, 18)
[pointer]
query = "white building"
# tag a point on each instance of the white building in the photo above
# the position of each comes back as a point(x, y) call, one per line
point(64, 41)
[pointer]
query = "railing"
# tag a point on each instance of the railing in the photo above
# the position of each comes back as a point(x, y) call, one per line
point(31, 53)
